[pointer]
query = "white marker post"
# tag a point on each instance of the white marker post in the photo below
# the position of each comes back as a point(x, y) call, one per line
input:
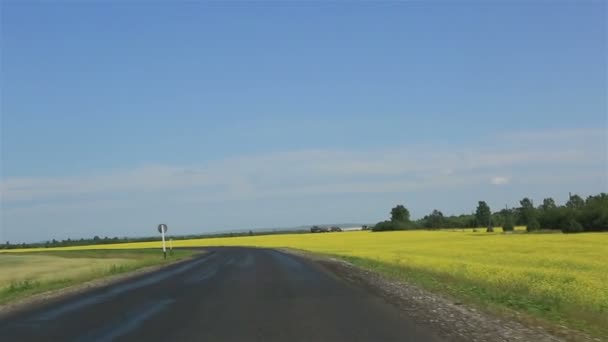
point(162, 229)
point(170, 246)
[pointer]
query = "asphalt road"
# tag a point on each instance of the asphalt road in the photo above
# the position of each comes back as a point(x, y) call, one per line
point(230, 294)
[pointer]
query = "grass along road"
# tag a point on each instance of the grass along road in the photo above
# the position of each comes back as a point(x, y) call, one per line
point(25, 274)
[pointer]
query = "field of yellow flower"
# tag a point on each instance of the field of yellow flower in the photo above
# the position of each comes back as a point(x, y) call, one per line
point(558, 277)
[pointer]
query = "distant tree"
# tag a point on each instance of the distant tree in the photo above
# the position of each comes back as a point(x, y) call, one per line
point(594, 214)
point(497, 218)
point(434, 219)
point(392, 225)
point(572, 226)
point(601, 198)
point(96, 238)
point(482, 214)
point(548, 204)
point(468, 221)
point(526, 203)
point(400, 214)
point(575, 202)
point(508, 225)
point(400, 220)
point(527, 212)
point(533, 225)
point(250, 233)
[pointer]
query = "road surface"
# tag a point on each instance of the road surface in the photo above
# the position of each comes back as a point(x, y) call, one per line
point(229, 294)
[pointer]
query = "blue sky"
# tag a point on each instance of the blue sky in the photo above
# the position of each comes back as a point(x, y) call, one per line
point(209, 116)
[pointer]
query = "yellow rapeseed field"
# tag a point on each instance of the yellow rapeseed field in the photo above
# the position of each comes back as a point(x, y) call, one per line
point(559, 277)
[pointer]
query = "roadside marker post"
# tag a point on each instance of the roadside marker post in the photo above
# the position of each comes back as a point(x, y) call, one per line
point(170, 246)
point(162, 229)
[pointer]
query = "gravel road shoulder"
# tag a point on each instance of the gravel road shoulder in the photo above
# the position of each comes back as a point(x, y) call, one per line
point(449, 318)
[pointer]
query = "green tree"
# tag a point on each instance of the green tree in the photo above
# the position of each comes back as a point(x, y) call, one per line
point(548, 204)
point(572, 226)
point(533, 225)
point(434, 219)
point(527, 212)
point(594, 217)
point(508, 225)
point(393, 225)
point(400, 214)
point(482, 214)
point(575, 202)
point(400, 220)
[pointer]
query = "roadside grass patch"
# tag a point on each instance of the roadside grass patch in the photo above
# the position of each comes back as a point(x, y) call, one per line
point(505, 298)
point(22, 285)
point(26, 274)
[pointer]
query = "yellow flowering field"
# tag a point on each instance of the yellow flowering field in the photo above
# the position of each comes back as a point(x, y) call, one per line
point(560, 277)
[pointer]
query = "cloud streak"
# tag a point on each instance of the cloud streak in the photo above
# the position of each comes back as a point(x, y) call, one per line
point(500, 180)
point(319, 172)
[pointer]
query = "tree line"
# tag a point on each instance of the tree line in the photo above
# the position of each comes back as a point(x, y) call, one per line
point(576, 215)
point(97, 240)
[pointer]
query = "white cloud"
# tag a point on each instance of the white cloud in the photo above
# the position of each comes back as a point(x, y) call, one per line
point(319, 171)
point(500, 180)
point(555, 135)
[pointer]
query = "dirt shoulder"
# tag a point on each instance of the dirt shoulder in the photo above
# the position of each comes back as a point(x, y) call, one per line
point(47, 297)
point(452, 320)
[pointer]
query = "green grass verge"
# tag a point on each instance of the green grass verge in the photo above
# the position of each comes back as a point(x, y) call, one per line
point(28, 283)
point(535, 310)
